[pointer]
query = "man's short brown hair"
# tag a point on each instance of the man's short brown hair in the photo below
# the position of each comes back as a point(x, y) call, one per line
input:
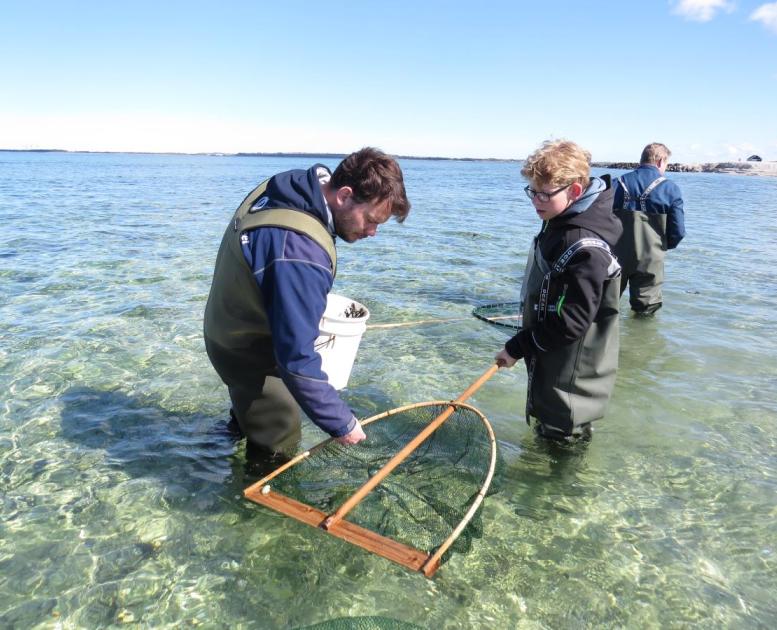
point(654, 153)
point(374, 177)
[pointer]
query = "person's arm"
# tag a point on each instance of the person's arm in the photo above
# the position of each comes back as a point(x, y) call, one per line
point(675, 221)
point(294, 284)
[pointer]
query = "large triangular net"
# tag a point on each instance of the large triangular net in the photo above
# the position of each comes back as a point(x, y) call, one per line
point(418, 514)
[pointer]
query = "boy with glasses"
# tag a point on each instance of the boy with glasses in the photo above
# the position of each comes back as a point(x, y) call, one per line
point(570, 293)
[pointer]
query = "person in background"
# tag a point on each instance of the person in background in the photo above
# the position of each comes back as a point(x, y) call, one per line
point(569, 334)
point(650, 207)
point(274, 268)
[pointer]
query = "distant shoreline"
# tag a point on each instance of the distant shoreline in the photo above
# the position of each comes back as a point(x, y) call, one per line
point(293, 154)
point(736, 168)
point(768, 169)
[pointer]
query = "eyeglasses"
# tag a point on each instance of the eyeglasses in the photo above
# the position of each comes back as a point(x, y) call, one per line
point(543, 196)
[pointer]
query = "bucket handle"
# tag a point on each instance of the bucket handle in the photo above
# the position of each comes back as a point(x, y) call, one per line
point(330, 341)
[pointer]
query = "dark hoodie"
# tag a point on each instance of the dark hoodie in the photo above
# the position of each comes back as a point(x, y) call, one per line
point(580, 285)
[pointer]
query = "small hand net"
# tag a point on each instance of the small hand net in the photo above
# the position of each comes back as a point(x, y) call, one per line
point(505, 314)
point(425, 509)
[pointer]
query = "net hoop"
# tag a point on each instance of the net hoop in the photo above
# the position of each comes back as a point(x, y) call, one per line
point(428, 562)
point(500, 320)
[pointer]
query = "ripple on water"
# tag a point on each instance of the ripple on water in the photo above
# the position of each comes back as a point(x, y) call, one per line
point(120, 507)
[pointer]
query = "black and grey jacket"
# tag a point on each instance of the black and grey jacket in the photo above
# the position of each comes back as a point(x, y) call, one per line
point(574, 295)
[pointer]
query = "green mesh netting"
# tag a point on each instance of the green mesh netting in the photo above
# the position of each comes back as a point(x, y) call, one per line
point(505, 314)
point(363, 623)
point(424, 498)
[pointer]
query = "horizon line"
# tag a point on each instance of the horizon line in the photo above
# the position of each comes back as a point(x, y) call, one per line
point(595, 164)
point(262, 154)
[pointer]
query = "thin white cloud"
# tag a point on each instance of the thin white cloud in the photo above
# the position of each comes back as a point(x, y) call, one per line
point(766, 14)
point(701, 10)
point(738, 150)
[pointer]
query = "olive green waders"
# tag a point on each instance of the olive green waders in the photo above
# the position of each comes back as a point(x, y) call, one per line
point(237, 331)
point(641, 250)
point(570, 386)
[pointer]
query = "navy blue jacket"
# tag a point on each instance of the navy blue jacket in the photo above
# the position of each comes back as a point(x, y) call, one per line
point(663, 199)
point(294, 276)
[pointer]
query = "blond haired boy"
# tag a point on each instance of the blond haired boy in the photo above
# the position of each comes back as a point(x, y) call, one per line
point(570, 292)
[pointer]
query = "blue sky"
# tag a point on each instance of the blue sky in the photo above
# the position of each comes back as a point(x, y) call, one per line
point(421, 77)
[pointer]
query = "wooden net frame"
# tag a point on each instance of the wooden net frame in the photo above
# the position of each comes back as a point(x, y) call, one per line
point(427, 562)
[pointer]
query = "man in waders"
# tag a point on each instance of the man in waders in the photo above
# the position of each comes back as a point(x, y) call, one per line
point(569, 333)
point(274, 269)
point(651, 209)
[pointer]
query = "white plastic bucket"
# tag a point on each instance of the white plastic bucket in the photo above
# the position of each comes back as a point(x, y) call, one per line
point(339, 338)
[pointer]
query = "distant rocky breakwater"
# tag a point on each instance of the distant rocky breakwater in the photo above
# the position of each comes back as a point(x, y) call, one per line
point(738, 168)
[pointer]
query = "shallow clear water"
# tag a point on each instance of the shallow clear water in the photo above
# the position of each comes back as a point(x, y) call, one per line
point(118, 505)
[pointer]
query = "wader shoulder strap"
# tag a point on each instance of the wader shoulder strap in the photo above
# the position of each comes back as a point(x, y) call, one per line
point(297, 221)
point(563, 261)
point(626, 194)
point(575, 247)
point(287, 218)
point(643, 197)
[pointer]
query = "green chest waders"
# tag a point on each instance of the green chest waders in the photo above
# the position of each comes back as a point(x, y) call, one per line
point(570, 386)
point(237, 331)
point(641, 250)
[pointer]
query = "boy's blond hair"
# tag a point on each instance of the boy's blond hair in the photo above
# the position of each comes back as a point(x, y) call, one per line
point(558, 162)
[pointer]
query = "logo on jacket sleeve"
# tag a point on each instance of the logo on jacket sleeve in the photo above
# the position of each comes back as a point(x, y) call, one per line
point(260, 203)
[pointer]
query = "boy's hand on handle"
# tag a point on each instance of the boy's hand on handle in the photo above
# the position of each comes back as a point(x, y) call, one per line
point(354, 437)
point(504, 360)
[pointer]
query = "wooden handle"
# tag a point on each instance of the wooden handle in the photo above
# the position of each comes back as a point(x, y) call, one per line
point(478, 383)
point(395, 461)
point(437, 321)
